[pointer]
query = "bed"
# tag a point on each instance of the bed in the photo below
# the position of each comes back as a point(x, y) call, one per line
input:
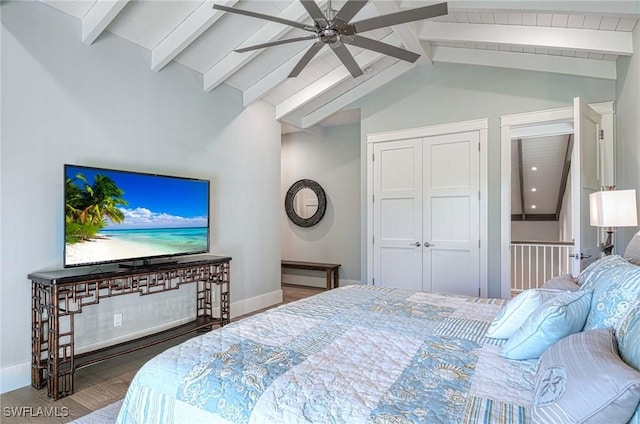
point(350, 355)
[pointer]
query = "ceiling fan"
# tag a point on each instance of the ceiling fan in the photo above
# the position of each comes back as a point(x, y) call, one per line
point(336, 29)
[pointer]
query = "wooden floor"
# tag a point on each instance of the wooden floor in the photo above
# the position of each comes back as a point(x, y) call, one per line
point(101, 384)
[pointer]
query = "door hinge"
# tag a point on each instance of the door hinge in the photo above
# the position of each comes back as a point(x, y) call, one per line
point(478, 146)
point(373, 198)
point(373, 281)
point(478, 244)
point(479, 195)
point(373, 240)
point(601, 134)
point(373, 157)
point(478, 291)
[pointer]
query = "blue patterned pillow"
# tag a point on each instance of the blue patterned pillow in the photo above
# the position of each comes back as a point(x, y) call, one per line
point(567, 390)
point(592, 273)
point(555, 319)
point(628, 336)
point(614, 290)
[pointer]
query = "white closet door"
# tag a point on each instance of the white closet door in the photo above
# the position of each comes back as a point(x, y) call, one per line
point(397, 206)
point(451, 214)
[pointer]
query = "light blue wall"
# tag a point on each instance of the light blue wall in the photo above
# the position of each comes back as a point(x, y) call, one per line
point(448, 93)
point(101, 105)
point(333, 160)
point(628, 132)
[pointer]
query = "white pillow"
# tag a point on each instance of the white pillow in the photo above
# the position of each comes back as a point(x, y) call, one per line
point(514, 314)
point(554, 320)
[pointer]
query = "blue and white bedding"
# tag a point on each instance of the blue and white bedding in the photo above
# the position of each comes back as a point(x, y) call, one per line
point(357, 354)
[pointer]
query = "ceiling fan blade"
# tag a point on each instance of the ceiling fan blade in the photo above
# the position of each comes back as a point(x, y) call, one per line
point(401, 17)
point(267, 17)
point(346, 58)
point(313, 50)
point(380, 47)
point(314, 10)
point(275, 43)
point(350, 9)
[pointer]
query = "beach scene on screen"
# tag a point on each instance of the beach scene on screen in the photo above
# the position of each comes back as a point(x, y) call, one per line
point(116, 215)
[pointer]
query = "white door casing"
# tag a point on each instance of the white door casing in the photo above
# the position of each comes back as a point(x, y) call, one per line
point(545, 123)
point(454, 256)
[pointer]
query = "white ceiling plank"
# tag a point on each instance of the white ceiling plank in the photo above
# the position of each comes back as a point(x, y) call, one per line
point(260, 89)
point(527, 61)
point(356, 93)
point(328, 81)
point(270, 32)
point(99, 17)
point(185, 33)
point(407, 33)
point(612, 42)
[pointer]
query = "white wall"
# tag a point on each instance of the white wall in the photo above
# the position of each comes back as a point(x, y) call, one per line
point(628, 132)
point(332, 160)
point(535, 231)
point(100, 105)
point(447, 93)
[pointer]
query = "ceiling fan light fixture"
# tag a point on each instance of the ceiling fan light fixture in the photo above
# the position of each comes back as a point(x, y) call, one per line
point(336, 29)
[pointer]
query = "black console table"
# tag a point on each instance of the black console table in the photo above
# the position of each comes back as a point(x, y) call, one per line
point(57, 296)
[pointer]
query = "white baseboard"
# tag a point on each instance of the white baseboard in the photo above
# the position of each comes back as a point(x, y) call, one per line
point(15, 376)
point(19, 375)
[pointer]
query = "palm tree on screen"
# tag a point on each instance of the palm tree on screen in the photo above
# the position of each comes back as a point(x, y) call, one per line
point(88, 205)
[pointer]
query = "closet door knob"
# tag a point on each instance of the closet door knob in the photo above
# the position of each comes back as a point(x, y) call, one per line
point(427, 244)
point(416, 244)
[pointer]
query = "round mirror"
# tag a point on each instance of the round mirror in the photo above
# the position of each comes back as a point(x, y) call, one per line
point(305, 203)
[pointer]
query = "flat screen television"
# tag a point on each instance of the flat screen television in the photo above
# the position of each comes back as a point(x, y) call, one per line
point(121, 216)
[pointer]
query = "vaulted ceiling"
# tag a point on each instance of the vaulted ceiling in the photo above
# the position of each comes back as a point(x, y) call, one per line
point(570, 37)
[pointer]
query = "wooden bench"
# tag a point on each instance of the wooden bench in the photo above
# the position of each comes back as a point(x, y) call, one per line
point(330, 269)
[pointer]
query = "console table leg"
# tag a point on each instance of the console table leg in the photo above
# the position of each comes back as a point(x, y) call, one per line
point(39, 335)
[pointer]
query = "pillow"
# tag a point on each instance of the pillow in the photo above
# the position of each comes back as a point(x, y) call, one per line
point(553, 320)
point(516, 311)
point(567, 390)
point(562, 282)
point(614, 290)
point(628, 336)
point(590, 274)
point(632, 253)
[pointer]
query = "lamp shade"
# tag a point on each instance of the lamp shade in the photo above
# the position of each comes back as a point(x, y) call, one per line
point(613, 208)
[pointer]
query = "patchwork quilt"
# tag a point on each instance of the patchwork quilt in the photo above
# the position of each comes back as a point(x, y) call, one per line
point(357, 354)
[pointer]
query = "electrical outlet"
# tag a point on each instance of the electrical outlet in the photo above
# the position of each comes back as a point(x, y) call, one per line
point(117, 320)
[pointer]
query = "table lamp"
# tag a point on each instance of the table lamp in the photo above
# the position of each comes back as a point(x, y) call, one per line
point(611, 209)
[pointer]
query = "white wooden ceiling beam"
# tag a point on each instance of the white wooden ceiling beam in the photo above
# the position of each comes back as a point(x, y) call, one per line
point(527, 61)
point(407, 33)
point(272, 31)
point(330, 80)
point(356, 93)
point(99, 17)
point(607, 42)
point(279, 75)
point(608, 7)
point(186, 33)
point(275, 77)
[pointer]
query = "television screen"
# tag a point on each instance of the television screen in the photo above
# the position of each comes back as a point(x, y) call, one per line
point(113, 216)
